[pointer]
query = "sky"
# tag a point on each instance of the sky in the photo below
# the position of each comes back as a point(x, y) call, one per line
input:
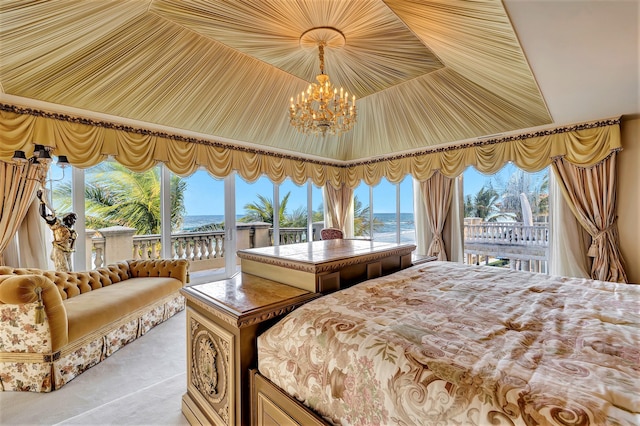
point(205, 194)
point(201, 186)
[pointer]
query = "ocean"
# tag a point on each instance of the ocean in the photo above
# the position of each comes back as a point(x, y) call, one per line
point(386, 232)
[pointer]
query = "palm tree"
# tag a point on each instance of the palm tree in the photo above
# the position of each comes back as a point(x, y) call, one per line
point(361, 223)
point(521, 182)
point(262, 211)
point(486, 205)
point(469, 207)
point(114, 195)
point(318, 215)
point(297, 219)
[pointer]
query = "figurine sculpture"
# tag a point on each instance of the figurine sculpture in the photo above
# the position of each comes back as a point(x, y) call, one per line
point(64, 236)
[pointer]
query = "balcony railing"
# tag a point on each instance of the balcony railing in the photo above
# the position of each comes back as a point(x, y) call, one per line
point(204, 250)
point(507, 233)
point(526, 247)
point(292, 235)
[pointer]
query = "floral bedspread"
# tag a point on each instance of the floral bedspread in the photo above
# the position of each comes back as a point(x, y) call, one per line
point(444, 343)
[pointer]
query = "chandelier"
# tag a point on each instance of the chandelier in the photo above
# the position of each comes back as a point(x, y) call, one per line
point(322, 109)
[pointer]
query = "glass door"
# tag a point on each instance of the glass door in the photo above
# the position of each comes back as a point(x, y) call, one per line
point(203, 225)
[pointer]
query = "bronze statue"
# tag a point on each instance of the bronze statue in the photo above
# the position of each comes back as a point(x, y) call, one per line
point(64, 236)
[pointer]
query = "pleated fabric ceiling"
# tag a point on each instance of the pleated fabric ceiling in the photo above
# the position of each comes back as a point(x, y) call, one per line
point(425, 73)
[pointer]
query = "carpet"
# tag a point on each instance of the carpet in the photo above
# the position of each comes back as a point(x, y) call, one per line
point(141, 384)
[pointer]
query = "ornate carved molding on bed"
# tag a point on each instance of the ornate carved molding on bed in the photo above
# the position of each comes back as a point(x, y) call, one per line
point(446, 343)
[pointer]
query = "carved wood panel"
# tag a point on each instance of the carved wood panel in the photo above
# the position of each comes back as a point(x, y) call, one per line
point(210, 366)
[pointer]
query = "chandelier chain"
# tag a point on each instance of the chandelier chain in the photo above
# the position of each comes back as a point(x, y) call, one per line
point(321, 49)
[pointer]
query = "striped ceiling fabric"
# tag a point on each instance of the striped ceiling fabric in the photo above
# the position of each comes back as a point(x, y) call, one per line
point(425, 72)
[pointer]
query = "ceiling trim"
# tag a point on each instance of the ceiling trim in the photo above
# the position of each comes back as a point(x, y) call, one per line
point(173, 134)
point(477, 142)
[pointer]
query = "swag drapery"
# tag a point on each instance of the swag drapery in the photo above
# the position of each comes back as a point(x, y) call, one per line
point(19, 182)
point(87, 142)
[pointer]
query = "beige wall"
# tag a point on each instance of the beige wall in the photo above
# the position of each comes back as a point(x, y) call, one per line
point(629, 196)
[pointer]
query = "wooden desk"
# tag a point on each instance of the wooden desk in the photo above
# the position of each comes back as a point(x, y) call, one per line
point(328, 265)
point(224, 319)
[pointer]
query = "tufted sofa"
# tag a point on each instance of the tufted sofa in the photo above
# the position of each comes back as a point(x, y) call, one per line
point(55, 325)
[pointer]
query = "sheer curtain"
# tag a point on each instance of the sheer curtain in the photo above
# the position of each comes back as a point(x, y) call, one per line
point(339, 208)
point(456, 221)
point(567, 242)
point(28, 249)
point(453, 228)
point(591, 194)
point(423, 230)
point(17, 192)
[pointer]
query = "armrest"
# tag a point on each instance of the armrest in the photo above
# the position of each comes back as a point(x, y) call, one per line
point(22, 289)
point(174, 268)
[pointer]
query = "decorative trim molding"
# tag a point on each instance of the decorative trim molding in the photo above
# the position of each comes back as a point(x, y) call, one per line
point(272, 314)
point(211, 309)
point(324, 267)
point(142, 131)
point(335, 163)
point(492, 141)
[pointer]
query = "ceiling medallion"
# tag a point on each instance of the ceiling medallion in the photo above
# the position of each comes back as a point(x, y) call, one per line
point(322, 109)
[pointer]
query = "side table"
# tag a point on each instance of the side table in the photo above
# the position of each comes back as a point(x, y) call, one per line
point(224, 319)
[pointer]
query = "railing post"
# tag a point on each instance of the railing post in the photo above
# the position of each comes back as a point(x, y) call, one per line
point(118, 241)
point(89, 233)
point(262, 237)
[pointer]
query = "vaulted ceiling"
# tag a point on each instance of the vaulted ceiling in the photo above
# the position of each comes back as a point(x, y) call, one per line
point(425, 72)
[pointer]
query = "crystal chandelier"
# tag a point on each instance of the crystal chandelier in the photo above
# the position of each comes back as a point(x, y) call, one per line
point(322, 109)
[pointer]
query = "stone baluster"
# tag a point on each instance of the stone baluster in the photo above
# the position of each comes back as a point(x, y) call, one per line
point(180, 253)
point(189, 249)
point(211, 254)
point(217, 248)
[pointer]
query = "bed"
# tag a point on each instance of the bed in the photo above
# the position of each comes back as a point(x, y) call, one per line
point(445, 343)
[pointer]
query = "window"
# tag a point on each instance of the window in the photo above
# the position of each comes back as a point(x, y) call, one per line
point(391, 219)
point(506, 218)
point(198, 222)
point(293, 218)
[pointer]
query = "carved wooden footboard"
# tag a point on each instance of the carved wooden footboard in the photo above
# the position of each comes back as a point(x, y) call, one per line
point(270, 405)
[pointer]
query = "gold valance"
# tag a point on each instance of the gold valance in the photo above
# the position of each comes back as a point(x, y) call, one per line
point(88, 142)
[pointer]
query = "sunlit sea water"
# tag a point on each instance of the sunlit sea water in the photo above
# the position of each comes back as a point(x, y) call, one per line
point(387, 232)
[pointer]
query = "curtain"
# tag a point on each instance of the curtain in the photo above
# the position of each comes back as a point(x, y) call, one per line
point(339, 205)
point(591, 194)
point(567, 242)
point(17, 191)
point(423, 230)
point(456, 221)
point(28, 249)
point(437, 192)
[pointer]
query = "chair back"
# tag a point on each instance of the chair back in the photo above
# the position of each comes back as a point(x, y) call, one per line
point(331, 234)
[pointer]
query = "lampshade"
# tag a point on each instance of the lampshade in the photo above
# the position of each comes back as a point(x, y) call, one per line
point(41, 153)
point(62, 161)
point(19, 157)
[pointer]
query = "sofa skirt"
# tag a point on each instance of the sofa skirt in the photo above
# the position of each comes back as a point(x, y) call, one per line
point(37, 372)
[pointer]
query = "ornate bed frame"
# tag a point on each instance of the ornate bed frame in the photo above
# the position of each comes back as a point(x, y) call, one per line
point(271, 406)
